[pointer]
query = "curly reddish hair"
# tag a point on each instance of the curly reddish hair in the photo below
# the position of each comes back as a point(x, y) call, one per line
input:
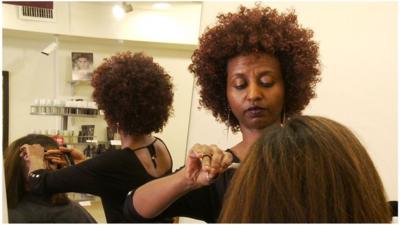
point(134, 92)
point(256, 30)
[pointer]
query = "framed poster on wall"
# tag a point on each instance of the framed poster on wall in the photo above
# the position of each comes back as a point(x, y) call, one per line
point(82, 65)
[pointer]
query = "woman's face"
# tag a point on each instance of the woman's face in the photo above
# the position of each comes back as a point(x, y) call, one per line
point(255, 90)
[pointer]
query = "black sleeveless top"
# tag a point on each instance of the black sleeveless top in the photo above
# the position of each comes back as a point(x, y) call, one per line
point(110, 175)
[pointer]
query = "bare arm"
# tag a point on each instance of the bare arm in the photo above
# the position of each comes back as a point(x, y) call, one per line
point(154, 197)
point(202, 165)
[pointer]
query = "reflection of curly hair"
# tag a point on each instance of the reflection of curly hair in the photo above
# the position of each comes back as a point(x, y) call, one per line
point(256, 30)
point(134, 92)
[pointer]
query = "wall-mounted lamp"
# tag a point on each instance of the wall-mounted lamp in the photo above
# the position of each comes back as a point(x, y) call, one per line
point(127, 7)
point(49, 48)
point(121, 9)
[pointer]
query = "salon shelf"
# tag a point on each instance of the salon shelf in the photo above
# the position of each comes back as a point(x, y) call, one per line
point(86, 143)
point(65, 114)
point(79, 82)
point(112, 142)
point(61, 113)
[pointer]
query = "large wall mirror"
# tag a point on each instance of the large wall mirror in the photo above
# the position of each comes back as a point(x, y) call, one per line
point(358, 60)
point(38, 55)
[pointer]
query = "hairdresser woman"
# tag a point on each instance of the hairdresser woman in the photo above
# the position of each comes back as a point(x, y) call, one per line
point(136, 96)
point(255, 68)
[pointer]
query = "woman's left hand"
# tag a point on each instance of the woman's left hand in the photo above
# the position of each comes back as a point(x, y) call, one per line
point(54, 155)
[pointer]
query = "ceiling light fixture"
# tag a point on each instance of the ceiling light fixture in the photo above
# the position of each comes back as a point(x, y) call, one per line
point(118, 11)
point(161, 5)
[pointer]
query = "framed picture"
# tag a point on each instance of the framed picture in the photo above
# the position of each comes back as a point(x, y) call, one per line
point(82, 65)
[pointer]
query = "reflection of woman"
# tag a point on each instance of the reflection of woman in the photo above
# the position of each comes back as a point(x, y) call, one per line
point(136, 96)
point(254, 68)
point(23, 207)
point(82, 67)
point(312, 170)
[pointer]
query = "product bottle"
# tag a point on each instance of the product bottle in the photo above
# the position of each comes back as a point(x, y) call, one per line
point(58, 138)
point(56, 107)
point(35, 106)
point(100, 149)
point(66, 135)
point(87, 152)
point(42, 108)
point(74, 139)
point(80, 138)
point(49, 106)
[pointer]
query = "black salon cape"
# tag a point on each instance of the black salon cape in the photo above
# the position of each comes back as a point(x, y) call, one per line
point(37, 209)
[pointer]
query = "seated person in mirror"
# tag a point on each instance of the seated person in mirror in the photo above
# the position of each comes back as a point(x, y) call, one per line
point(23, 206)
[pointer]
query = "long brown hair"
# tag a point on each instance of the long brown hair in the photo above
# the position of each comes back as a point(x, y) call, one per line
point(312, 169)
point(16, 172)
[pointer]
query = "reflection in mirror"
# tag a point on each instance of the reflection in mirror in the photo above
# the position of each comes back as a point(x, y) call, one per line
point(46, 80)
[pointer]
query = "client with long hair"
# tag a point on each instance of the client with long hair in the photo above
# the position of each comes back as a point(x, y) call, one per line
point(312, 169)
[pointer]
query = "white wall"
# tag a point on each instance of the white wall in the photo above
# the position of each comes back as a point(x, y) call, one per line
point(177, 24)
point(11, 20)
point(358, 48)
point(358, 51)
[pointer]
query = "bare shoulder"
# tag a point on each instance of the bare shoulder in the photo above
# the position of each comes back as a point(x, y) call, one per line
point(163, 153)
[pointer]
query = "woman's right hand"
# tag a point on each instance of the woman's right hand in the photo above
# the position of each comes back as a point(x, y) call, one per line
point(53, 155)
point(205, 163)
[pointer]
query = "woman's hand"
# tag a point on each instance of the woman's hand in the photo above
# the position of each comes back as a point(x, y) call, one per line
point(54, 155)
point(33, 155)
point(205, 163)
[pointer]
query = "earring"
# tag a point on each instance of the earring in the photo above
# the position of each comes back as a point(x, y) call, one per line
point(283, 116)
point(117, 136)
point(228, 110)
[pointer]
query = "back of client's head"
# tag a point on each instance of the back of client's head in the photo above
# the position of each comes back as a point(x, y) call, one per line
point(15, 169)
point(135, 93)
point(312, 169)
